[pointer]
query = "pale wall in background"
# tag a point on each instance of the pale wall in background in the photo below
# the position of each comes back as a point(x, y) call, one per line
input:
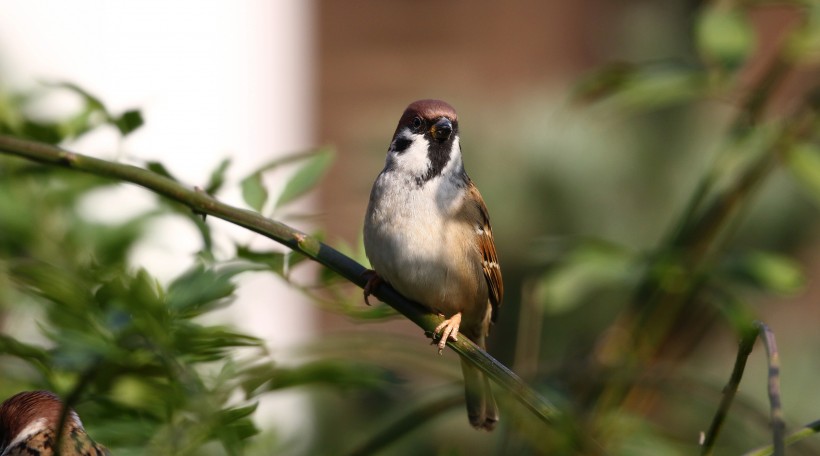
point(213, 79)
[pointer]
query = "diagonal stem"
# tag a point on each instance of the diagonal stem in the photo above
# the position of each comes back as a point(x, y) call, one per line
point(296, 240)
point(773, 358)
point(806, 431)
point(747, 342)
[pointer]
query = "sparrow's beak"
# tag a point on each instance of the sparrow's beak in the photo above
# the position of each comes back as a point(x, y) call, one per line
point(442, 129)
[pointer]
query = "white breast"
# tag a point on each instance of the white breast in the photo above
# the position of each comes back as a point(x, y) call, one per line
point(408, 232)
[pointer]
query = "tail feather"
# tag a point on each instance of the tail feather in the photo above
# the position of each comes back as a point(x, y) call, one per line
point(491, 409)
point(481, 408)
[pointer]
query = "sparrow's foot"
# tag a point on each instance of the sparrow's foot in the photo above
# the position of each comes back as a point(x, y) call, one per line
point(373, 282)
point(447, 329)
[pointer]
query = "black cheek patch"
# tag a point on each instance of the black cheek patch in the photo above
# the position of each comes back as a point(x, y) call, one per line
point(401, 144)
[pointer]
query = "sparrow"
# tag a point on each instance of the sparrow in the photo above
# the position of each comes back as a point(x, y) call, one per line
point(28, 427)
point(427, 233)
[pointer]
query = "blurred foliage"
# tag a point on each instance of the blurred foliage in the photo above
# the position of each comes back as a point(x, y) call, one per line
point(670, 203)
point(16, 116)
point(652, 217)
point(142, 363)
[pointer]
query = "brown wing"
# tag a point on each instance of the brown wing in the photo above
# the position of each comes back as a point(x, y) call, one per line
point(75, 443)
point(486, 245)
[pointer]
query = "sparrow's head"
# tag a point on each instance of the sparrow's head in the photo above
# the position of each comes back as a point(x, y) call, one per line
point(425, 144)
point(29, 412)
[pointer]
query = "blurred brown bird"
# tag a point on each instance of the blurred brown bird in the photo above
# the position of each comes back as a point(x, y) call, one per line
point(28, 427)
point(427, 233)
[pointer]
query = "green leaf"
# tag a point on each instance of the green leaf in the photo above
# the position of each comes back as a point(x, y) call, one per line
point(804, 162)
point(235, 425)
point(128, 121)
point(199, 344)
point(217, 178)
point(589, 267)
point(48, 132)
point(660, 86)
point(339, 374)
point(53, 283)
point(737, 311)
point(804, 41)
point(293, 259)
point(92, 102)
point(306, 177)
point(80, 123)
point(234, 414)
point(648, 86)
point(160, 169)
point(274, 261)
point(724, 36)
point(95, 113)
point(285, 160)
point(254, 192)
point(604, 81)
point(199, 289)
point(204, 231)
point(145, 290)
point(31, 353)
point(92, 115)
point(767, 271)
point(112, 244)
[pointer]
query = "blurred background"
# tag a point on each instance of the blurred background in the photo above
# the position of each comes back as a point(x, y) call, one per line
point(651, 170)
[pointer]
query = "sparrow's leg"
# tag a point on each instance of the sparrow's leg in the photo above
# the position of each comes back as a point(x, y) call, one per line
point(373, 282)
point(448, 329)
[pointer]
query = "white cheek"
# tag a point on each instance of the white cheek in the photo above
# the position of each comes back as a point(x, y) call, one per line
point(413, 160)
point(455, 156)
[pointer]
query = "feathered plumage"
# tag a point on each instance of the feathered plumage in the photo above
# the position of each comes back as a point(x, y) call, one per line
point(28, 427)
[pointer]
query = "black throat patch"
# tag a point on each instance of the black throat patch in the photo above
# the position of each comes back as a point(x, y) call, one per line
point(439, 154)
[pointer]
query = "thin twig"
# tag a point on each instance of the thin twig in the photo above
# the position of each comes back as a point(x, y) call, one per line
point(747, 342)
point(296, 240)
point(796, 436)
point(773, 358)
point(71, 400)
point(757, 330)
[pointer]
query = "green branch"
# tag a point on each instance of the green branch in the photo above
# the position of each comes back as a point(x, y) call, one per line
point(294, 239)
point(796, 436)
point(747, 342)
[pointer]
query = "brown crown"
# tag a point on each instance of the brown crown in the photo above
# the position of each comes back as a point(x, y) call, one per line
point(23, 408)
point(428, 110)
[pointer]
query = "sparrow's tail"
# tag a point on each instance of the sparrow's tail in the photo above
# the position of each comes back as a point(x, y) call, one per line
point(481, 408)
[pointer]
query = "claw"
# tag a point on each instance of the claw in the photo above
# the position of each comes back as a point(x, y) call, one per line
point(448, 329)
point(373, 282)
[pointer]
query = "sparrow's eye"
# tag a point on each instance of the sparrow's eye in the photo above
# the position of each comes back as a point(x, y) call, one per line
point(417, 123)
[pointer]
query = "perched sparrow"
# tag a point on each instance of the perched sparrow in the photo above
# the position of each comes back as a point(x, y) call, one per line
point(427, 233)
point(28, 427)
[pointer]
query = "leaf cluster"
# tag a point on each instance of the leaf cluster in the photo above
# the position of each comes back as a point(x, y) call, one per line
point(141, 360)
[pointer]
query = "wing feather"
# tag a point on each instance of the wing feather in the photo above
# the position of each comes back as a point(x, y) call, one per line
point(486, 246)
